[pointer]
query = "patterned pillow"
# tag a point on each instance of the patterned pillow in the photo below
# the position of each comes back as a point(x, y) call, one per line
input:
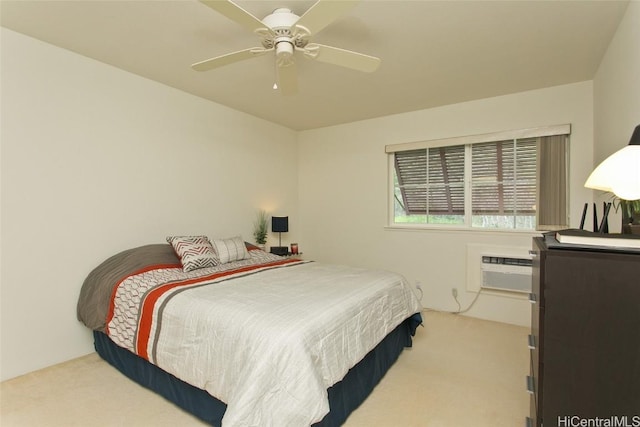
point(231, 249)
point(194, 251)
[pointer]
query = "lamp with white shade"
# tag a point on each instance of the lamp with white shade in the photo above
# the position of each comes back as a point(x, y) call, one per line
point(620, 172)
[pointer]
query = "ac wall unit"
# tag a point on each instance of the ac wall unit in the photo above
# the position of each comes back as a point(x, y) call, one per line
point(506, 273)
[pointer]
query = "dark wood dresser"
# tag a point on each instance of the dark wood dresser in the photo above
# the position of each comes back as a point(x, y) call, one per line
point(585, 337)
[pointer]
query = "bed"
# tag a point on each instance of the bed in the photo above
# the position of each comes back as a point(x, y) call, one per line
point(256, 340)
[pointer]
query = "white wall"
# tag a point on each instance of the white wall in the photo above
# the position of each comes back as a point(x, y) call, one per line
point(96, 160)
point(343, 191)
point(616, 98)
point(617, 87)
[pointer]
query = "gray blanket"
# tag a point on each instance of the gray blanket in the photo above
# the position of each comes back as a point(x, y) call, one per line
point(95, 295)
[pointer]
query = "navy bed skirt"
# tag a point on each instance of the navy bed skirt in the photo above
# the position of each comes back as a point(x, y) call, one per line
point(344, 396)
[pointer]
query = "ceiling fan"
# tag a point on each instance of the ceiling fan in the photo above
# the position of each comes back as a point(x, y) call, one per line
point(287, 33)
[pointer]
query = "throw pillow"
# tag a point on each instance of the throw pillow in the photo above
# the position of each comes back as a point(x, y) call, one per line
point(194, 251)
point(231, 249)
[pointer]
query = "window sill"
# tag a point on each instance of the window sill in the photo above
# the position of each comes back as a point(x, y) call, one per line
point(448, 229)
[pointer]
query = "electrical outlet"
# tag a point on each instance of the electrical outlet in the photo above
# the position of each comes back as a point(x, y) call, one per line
point(419, 289)
point(454, 292)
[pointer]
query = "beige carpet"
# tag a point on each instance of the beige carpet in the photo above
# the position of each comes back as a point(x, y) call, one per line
point(461, 372)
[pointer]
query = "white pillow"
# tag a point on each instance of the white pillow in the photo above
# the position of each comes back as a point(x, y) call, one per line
point(194, 251)
point(231, 249)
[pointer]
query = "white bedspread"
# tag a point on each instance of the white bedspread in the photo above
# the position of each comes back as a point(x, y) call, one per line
point(269, 343)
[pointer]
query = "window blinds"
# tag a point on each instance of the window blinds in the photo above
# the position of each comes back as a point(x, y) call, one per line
point(503, 179)
point(520, 176)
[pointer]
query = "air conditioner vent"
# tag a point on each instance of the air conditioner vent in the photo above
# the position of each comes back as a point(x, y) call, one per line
point(506, 273)
point(506, 261)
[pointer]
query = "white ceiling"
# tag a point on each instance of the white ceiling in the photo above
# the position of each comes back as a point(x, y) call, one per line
point(433, 52)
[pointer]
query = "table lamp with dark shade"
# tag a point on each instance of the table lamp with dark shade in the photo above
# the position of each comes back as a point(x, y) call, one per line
point(279, 224)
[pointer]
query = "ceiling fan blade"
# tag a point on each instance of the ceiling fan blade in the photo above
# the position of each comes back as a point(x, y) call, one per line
point(236, 14)
point(342, 57)
point(229, 58)
point(323, 13)
point(288, 79)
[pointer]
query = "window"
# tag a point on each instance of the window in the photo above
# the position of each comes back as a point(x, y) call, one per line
point(509, 180)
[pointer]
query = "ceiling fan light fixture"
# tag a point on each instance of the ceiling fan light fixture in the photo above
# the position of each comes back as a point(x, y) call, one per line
point(283, 32)
point(281, 19)
point(284, 53)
